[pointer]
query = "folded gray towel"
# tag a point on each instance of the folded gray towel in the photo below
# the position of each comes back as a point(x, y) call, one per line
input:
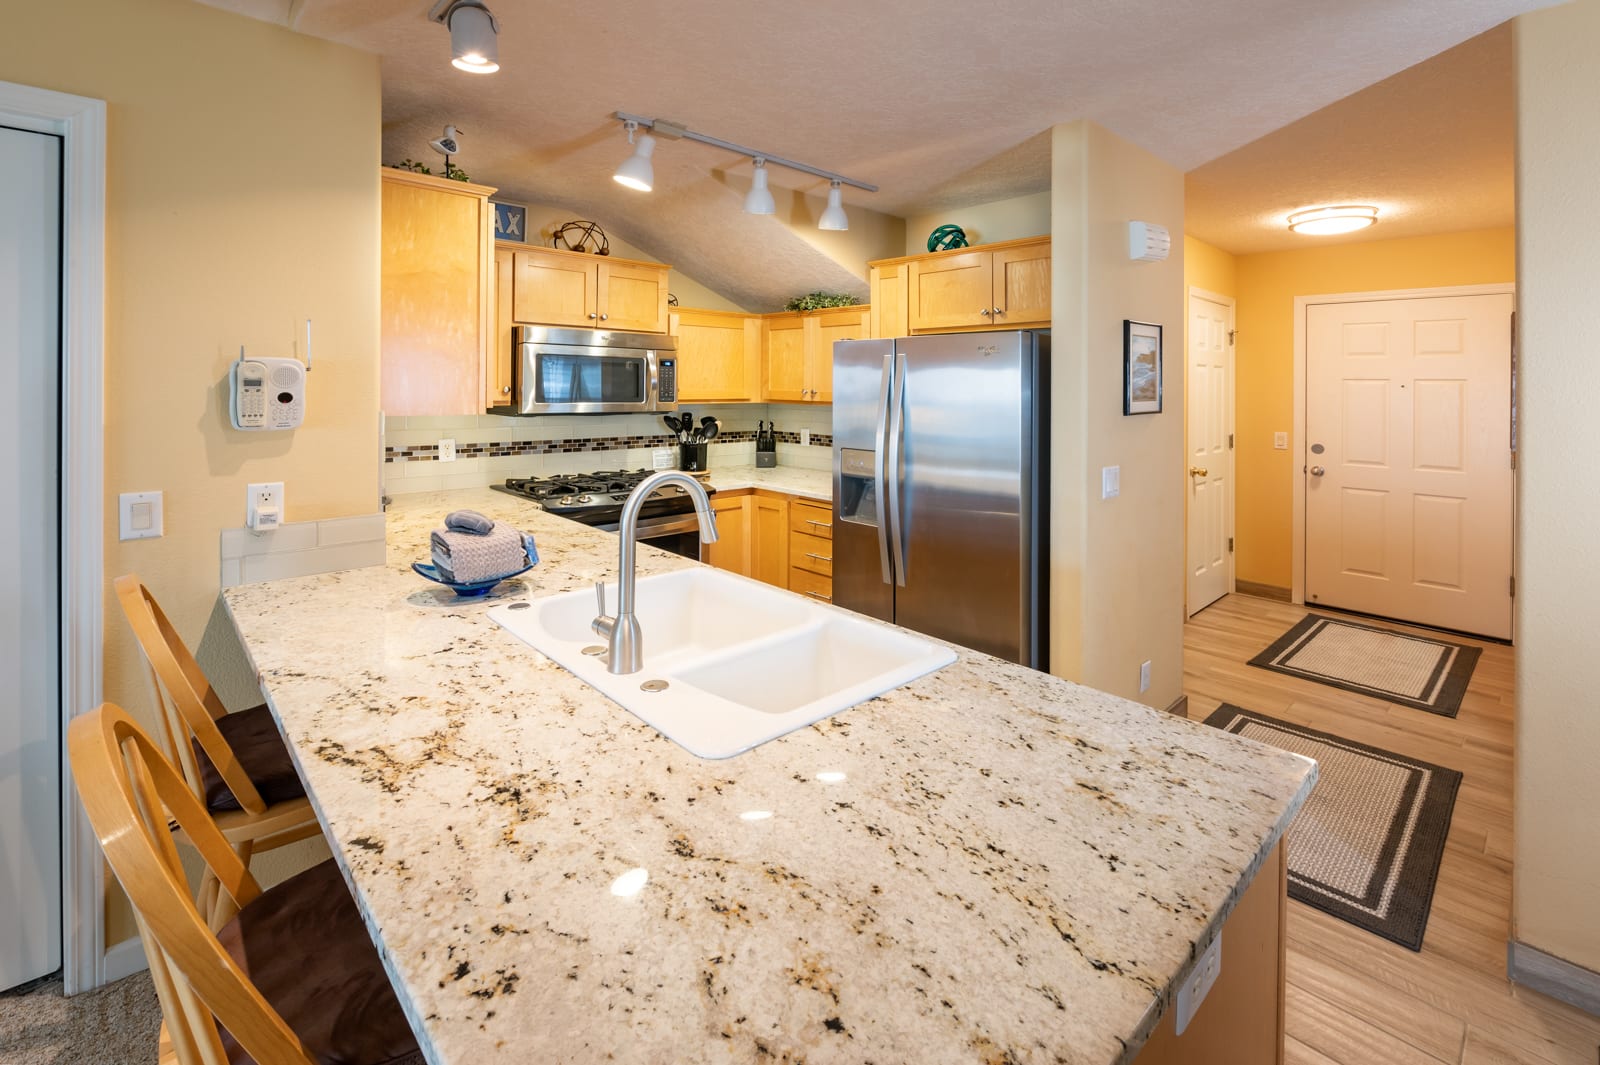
point(468, 557)
point(468, 521)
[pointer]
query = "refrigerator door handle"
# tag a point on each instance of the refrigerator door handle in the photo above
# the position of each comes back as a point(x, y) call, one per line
point(877, 465)
point(897, 405)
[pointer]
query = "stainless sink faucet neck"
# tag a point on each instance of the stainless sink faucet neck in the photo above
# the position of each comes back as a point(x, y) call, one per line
point(624, 640)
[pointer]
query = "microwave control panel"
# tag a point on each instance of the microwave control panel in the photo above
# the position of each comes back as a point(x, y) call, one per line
point(667, 381)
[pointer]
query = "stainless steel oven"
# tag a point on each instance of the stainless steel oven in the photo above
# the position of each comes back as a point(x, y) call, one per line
point(593, 371)
point(678, 533)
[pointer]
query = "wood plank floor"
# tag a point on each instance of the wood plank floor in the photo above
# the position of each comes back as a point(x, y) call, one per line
point(1356, 999)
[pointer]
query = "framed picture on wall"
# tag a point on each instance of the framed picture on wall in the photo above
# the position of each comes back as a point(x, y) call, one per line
point(1141, 368)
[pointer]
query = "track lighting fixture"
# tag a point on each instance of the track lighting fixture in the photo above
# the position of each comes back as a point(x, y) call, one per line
point(759, 199)
point(635, 172)
point(474, 41)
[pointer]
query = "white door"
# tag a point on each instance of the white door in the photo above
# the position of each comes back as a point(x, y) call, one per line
point(1408, 460)
point(30, 749)
point(1209, 413)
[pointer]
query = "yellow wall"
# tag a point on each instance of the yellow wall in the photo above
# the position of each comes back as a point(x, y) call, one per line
point(1116, 565)
point(1268, 283)
point(1557, 884)
point(242, 198)
point(984, 223)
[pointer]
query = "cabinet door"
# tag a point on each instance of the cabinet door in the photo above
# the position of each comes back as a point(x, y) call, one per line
point(719, 356)
point(951, 291)
point(1022, 286)
point(783, 358)
point(435, 267)
point(497, 379)
point(769, 538)
point(889, 301)
point(732, 548)
point(841, 323)
point(632, 297)
point(548, 288)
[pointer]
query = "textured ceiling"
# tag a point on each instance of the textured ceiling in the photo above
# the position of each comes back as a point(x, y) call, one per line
point(1433, 147)
point(939, 103)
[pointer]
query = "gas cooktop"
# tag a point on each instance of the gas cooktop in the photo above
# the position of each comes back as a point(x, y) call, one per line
point(597, 498)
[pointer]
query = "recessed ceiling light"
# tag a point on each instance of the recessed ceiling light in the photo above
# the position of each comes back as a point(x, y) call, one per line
point(1326, 221)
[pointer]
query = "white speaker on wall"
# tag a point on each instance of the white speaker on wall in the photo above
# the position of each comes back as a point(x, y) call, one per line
point(1148, 242)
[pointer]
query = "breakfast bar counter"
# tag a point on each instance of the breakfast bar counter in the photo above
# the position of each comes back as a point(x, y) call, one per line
point(989, 864)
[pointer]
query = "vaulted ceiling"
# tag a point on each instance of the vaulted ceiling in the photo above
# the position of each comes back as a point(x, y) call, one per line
point(940, 103)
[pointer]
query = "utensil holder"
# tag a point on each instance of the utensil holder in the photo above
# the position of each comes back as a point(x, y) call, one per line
point(692, 457)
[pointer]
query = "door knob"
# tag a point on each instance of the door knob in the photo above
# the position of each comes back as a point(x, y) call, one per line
point(1198, 471)
point(1317, 471)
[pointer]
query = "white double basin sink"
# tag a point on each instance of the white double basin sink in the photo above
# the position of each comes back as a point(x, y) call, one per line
point(743, 662)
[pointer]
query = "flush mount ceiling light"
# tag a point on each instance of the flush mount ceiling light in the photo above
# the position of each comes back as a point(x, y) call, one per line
point(636, 171)
point(759, 199)
point(1327, 221)
point(474, 35)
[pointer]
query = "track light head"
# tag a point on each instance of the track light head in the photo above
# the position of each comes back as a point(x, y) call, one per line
point(636, 172)
point(833, 216)
point(759, 199)
point(474, 37)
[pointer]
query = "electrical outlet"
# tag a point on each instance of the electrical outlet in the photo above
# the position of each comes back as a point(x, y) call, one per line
point(1280, 441)
point(1110, 482)
point(1193, 992)
point(805, 438)
point(447, 451)
point(1144, 675)
point(264, 505)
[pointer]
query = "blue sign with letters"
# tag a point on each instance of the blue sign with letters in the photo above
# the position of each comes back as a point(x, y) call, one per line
point(510, 222)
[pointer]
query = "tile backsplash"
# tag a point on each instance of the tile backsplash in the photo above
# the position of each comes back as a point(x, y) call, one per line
point(492, 447)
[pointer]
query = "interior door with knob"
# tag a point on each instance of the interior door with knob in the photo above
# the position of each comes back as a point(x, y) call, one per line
point(1408, 461)
point(1209, 413)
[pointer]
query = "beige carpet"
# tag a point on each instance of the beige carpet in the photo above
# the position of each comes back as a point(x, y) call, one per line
point(117, 1025)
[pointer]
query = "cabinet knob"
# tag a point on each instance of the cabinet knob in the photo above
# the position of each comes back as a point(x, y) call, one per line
point(593, 315)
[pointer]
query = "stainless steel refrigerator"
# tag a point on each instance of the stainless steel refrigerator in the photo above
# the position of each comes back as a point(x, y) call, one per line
point(940, 487)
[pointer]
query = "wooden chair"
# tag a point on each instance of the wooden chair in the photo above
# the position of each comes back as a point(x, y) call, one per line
point(291, 978)
point(235, 764)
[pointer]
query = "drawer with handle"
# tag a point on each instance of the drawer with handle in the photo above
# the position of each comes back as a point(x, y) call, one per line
point(812, 553)
point(811, 519)
point(811, 585)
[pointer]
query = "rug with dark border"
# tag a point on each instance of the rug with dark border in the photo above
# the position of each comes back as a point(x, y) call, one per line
point(1366, 846)
point(1398, 667)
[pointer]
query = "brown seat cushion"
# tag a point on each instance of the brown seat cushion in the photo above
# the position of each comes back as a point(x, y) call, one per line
point(304, 947)
point(262, 755)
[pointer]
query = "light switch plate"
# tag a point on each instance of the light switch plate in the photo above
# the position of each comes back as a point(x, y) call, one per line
point(1193, 992)
point(1280, 441)
point(1110, 482)
point(139, 516)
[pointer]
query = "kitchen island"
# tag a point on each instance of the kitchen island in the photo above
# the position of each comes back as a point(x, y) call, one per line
point(989, 864)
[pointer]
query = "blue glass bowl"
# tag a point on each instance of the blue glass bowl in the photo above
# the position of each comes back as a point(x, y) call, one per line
point(468, 589)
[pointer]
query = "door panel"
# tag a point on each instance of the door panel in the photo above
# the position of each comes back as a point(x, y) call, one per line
point(1409, 400)
point(1210, 423)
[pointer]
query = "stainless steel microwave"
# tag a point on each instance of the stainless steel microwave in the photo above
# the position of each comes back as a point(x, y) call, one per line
point(593, 371)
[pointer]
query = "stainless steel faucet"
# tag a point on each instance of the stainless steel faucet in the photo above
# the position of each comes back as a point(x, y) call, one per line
point(624, 641)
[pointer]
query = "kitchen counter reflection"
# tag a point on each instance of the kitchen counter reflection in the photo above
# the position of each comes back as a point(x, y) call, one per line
point(987, 864)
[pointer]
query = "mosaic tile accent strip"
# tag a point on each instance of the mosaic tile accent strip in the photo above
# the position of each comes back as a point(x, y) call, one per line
point(577, 444)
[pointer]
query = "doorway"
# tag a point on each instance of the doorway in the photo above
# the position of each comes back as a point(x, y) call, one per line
point(30, 650)
point(1209, 417)
point(1405, 494)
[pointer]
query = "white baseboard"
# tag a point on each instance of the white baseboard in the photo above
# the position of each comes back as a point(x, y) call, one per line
point(124, 959)
point(1532, 968)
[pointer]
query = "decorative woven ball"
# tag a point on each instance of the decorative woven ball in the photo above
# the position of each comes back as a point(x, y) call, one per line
point(946, 237)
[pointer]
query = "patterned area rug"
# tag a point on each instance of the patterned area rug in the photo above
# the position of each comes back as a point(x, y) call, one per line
point(1399, 667)
point(1366, 846)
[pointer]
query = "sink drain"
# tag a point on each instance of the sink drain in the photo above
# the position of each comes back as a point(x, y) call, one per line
point(653, 686)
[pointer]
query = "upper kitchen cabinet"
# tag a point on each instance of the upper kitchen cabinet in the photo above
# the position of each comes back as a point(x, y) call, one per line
point(1004, 286)
point(719, 356)
point(437, 294)
point(550, 286)
point(797, 351)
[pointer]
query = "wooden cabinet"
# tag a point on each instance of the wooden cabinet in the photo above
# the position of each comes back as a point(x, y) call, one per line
point(551, 286)
point(811, 549)
point(797, 351)
point(436, 331)
point(993, 286)
point(719, 356)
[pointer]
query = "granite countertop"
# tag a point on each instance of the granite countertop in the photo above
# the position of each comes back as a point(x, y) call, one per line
point(794, 480)
point(989, 864)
